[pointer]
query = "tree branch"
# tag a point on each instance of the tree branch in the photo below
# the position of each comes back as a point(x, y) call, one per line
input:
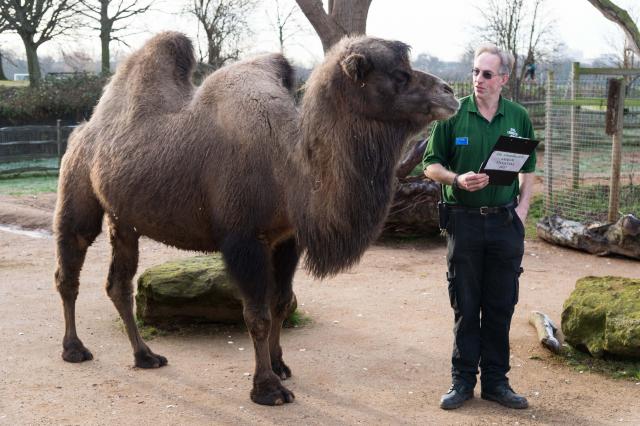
point(327, 29)
point(622, 18)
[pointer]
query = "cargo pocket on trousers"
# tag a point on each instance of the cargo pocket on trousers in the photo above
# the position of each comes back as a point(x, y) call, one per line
point(451, 275)
point(516, 291)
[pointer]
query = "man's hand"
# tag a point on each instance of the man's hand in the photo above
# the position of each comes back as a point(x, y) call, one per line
point(522, 212)
point(472, 181)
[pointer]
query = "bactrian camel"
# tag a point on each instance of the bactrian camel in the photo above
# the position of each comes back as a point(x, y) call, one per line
point(233, 166)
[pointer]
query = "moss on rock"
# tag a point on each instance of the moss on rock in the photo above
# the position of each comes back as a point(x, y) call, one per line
point(191, 290)
point(197, 288)
point(602, 316)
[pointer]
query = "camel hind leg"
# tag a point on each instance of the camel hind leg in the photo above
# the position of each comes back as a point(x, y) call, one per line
point(124, 263)
point(78, 222)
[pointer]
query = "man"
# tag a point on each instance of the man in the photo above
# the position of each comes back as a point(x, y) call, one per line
point(485, 230)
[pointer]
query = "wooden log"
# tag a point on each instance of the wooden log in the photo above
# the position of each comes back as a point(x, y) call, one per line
point(546, 330)
point(414, 211)
point(621, 237)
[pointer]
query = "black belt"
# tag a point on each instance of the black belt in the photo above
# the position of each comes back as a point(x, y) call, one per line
point(484, 210)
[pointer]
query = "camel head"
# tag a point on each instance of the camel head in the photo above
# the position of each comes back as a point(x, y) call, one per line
point(359, 108)
point(381, 85)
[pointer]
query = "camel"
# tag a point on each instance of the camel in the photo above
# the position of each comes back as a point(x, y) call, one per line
point(233, 166)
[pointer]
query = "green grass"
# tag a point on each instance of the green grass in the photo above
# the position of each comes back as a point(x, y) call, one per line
point(29, 184)
point(616, 369)
point(40, 162)
point(536, 212)
point(149, 332)
point(297, 319)
point(591, 203)
point(11, 83)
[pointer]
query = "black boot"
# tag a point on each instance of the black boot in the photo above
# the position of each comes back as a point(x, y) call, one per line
point(456, 396)
point(504, 395)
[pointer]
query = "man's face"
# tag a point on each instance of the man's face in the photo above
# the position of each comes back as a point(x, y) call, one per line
point(485, 65)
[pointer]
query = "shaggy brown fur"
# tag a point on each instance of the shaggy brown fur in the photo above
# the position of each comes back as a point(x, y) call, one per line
point(233, 166)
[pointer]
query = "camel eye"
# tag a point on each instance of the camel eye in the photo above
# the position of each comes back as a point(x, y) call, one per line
point(401, 77)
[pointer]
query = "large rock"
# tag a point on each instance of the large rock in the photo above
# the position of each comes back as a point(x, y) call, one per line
point(602, 316)
point(196, 289)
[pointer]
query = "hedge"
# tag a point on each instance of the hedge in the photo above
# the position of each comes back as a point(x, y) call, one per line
point(71, 99)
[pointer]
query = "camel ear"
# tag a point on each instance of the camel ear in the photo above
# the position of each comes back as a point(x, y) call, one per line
point(356, 66)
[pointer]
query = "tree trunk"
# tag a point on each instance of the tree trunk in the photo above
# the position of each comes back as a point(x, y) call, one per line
point(622, 18)
point(105, 61)
point(105, 38)
point(345, 17)
point(2, 74)
point(33, 65)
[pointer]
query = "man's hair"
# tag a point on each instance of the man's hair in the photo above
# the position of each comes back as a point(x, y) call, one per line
point(506, 58)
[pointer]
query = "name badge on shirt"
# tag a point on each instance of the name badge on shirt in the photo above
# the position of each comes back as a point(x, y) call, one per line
point(462, 140)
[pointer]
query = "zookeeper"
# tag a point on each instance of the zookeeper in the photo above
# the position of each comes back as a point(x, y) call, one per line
point(485, 231)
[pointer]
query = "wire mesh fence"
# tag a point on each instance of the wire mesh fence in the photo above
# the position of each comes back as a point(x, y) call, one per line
point(578, 152)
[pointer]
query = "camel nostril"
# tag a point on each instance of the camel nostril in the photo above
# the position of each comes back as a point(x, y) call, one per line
point(448, 89)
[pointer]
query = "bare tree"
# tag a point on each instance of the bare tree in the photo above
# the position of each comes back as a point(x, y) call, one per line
point(284, 20)
point(343, 17)
point(622, 18)
point(521, 27)
point(622, 53)
point(109, 24)
point(36, 22)
point(77, 61)
point(224, 22)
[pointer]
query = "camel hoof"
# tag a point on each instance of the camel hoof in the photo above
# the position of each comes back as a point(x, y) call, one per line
point(148, 359)
point(281, 370)
point(272, 394)
point(74, 351)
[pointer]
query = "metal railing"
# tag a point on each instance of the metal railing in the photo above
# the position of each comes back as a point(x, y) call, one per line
point(32, 148)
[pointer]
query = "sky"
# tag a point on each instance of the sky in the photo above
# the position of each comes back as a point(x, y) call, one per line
point(439, 28)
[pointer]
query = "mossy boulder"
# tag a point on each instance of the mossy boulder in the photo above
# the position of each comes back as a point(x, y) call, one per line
point(602, 316)
point(191, 290)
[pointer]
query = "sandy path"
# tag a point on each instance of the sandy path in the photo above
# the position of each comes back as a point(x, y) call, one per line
point(377, 352)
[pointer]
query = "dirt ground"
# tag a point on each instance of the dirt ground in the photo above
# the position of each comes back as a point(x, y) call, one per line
point(377, 352)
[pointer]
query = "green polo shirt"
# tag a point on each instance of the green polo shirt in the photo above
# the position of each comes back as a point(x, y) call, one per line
point(465, 140)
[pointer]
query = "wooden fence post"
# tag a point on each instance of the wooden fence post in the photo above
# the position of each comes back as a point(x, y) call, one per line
point(575, 152)
point(548, 158)
point(59, 141)
point(615, 125)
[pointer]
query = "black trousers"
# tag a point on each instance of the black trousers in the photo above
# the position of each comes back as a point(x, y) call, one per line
point(484, 257)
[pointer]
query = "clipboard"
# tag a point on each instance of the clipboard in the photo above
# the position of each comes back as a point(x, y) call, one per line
point(507, 158)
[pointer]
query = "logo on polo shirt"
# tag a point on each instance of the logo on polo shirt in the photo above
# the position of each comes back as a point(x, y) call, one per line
point(513, 133)
point(462, 140)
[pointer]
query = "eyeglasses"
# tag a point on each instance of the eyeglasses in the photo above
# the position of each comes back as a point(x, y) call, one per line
point(487, 75)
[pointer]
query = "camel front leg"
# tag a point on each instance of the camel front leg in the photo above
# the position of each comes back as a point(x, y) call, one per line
point(248, 261)
point(267, 388)
point(285, 261)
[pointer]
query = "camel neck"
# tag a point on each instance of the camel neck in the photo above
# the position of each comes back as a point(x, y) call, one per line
point(345, 188)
